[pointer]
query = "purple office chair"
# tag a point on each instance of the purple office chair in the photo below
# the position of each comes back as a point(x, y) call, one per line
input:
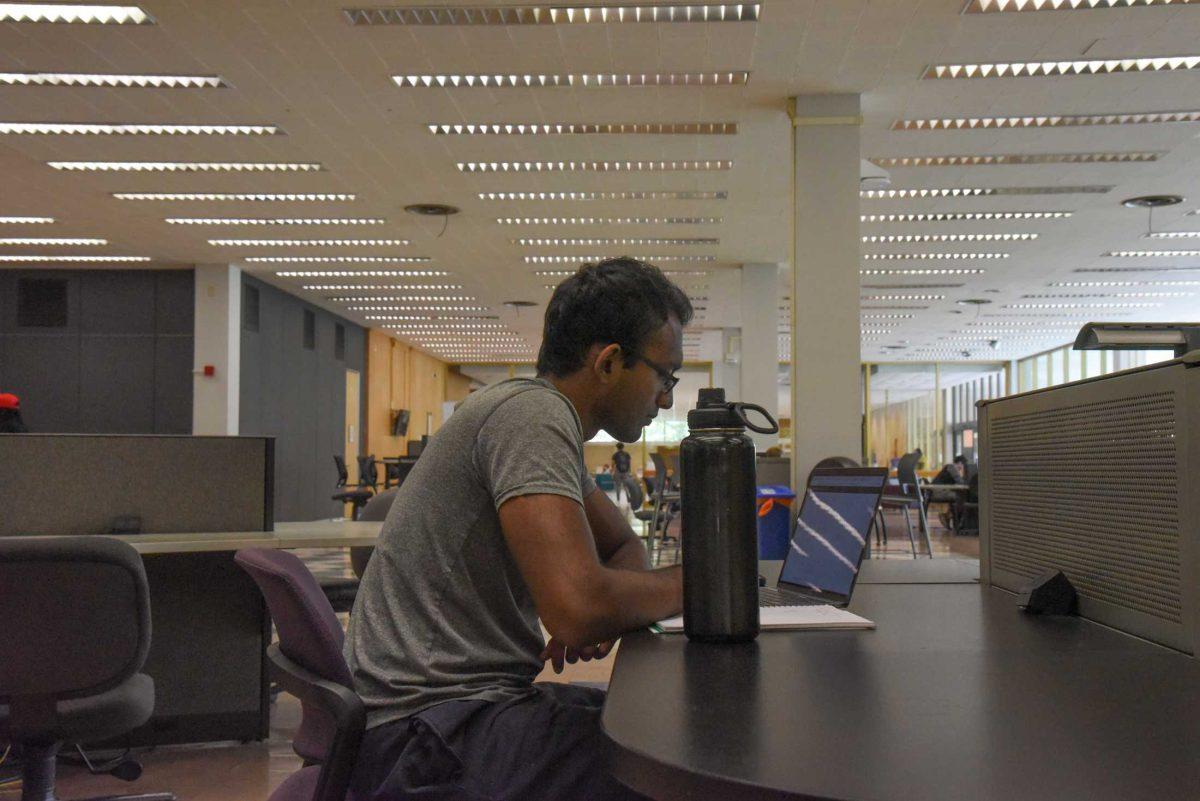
point(308, 663)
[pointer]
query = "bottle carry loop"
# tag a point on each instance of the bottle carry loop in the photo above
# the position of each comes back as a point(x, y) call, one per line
point(740, 410)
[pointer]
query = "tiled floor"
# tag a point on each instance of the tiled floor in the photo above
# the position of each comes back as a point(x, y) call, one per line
point(249, 772)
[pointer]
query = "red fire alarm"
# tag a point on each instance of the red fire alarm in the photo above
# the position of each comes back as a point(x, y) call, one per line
point(209, 371)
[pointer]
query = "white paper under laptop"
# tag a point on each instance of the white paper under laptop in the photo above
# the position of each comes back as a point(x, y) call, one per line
point(824, 555)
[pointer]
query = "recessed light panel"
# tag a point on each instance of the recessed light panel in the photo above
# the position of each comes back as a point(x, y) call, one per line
point(254, 197)
point(950, 238)
point(1087, 295)
point(52, 241)
point(271, 221)
point(1044, 121)
point(185, 166)
point(309, 243)
point(1172, 235)
point(359, 273)
point(886, 316)
point(1039, 69)
point(533, 14)
point(564, 128)
point(71, 259)
point(630, 195)
point(1014, 158)
point(343, 260)
point(74, 14)
point(16, 220)
point(1081, 305)
point(1122, 283)
point(980, 191)
point(134, 129)
point(595, 166)
point(110, 80)
point(903, 297)
point(1135, 269)
point(582, 259)
point(655, 241)
point(1152, 254)
point(609, 220)
point(542, 81)
point(966, 216)
point(1001, 6)
point(934, 256)
point(676, 274)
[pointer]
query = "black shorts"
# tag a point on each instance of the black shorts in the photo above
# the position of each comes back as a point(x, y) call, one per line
point(545, 745)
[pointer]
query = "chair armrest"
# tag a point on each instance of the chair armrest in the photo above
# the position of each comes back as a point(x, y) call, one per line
point(345, 708)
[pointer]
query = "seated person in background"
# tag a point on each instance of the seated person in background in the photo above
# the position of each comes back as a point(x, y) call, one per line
point(500, 524)
point(953, 473)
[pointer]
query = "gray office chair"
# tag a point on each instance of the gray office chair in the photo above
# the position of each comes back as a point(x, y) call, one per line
point(76, 618)
point(907, 495)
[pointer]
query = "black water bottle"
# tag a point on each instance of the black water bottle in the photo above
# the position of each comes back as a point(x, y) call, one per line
point(720, 532)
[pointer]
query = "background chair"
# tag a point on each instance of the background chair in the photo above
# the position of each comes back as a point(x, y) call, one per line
point(341, 590)
point(76, 618)
point(355, 494)
point(307, 662)
point(906, 495)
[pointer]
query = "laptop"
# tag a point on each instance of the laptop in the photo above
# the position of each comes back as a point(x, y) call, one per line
point(830, 539)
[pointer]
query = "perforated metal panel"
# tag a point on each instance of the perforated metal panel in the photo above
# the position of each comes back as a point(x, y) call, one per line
point(1091, 479)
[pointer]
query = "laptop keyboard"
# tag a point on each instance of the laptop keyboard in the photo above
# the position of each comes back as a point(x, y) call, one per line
point(771, 596)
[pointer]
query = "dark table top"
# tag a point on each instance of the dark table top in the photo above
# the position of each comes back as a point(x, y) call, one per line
point(956, 695)
point(899, 571)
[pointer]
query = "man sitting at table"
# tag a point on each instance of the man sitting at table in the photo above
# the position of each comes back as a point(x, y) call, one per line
point(953, 473)
point(498, 525)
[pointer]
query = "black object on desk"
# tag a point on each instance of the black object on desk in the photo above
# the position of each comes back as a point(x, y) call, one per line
point(1050, 593)
point(955, 695)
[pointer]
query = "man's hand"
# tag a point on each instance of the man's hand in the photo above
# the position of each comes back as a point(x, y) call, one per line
point(557, 653)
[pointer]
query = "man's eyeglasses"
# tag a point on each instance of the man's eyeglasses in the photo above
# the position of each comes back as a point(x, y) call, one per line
point(665, 375)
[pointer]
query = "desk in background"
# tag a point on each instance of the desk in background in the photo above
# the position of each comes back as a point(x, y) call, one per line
point(956, 695)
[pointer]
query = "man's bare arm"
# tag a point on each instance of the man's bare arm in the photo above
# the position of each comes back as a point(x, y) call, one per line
point(616, 543)
point(580, 600)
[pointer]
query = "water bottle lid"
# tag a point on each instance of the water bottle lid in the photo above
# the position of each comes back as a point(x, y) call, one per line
point(713, 411)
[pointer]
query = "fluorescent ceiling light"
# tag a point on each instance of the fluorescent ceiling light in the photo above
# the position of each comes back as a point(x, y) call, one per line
point(185, 166)
point(549, 14)
point(692, 165)
point(609, 220)
point(1038, 69)
point(1123, 283)
point(35, 259)
point(910, 286)
point(418, 308)
point(887, 316)
point(967, 215)
point(938, 256)
point(1152, 254)
point(1045, 121)
point(1172, 235)
point(1000, 6)
point(541, 81)
point(274, 220)
point(1081, 305)
point(134, 129)
point(407, 298)
point(359, 273)
point(673, 273)
point(416, 318)
point(949, 238)
point(50, 240)
point(110, 80)
point(932, 271)
point(308, 243)
point(562, 128)
point(1135, 269)
point(582, 259)
point(343, 260)
point(1051, 295)
point(981, 191)
point(903, 297)
point(236, 196)
point(1015, 158)
point(74, 13)
point(16, 220)
point(628, 195)
point(653, 241)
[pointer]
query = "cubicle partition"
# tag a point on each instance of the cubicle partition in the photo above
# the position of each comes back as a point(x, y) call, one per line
point(1101, 479)
point(82, 483)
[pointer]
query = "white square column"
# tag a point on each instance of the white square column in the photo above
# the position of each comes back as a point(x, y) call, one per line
point(826, 356)
point(218, 344)
point(760, 343)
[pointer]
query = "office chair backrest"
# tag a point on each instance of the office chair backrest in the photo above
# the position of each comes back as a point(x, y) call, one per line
point(309, 633)
point(75, 612)
point(376, 510)
point(343, 474)
point(661, 482)
point(367, 475)
point(906, 472)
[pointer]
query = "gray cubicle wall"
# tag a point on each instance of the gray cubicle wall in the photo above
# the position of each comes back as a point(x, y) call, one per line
point(298, 394)
point(79, 483)
point(1101, 479)
point(99, 351)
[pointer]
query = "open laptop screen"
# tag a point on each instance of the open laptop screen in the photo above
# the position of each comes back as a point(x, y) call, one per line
point(831, 529)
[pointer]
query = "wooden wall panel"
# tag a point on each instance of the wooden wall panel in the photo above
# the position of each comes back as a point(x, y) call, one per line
point(401, 377)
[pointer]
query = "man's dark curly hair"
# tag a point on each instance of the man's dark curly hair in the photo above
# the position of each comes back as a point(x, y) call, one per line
point(619, 300)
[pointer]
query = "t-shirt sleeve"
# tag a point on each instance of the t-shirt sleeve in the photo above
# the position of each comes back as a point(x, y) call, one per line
point(531, 445)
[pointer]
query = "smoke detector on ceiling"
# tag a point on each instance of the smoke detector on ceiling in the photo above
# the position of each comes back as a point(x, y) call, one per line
point(872, 176)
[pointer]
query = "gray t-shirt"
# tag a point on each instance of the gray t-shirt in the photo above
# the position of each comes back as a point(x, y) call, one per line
point(443, 613)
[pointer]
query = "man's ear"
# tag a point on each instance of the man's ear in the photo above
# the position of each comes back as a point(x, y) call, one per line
point(608, 362)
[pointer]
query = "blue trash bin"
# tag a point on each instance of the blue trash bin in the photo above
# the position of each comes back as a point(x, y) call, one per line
point(774, 508)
